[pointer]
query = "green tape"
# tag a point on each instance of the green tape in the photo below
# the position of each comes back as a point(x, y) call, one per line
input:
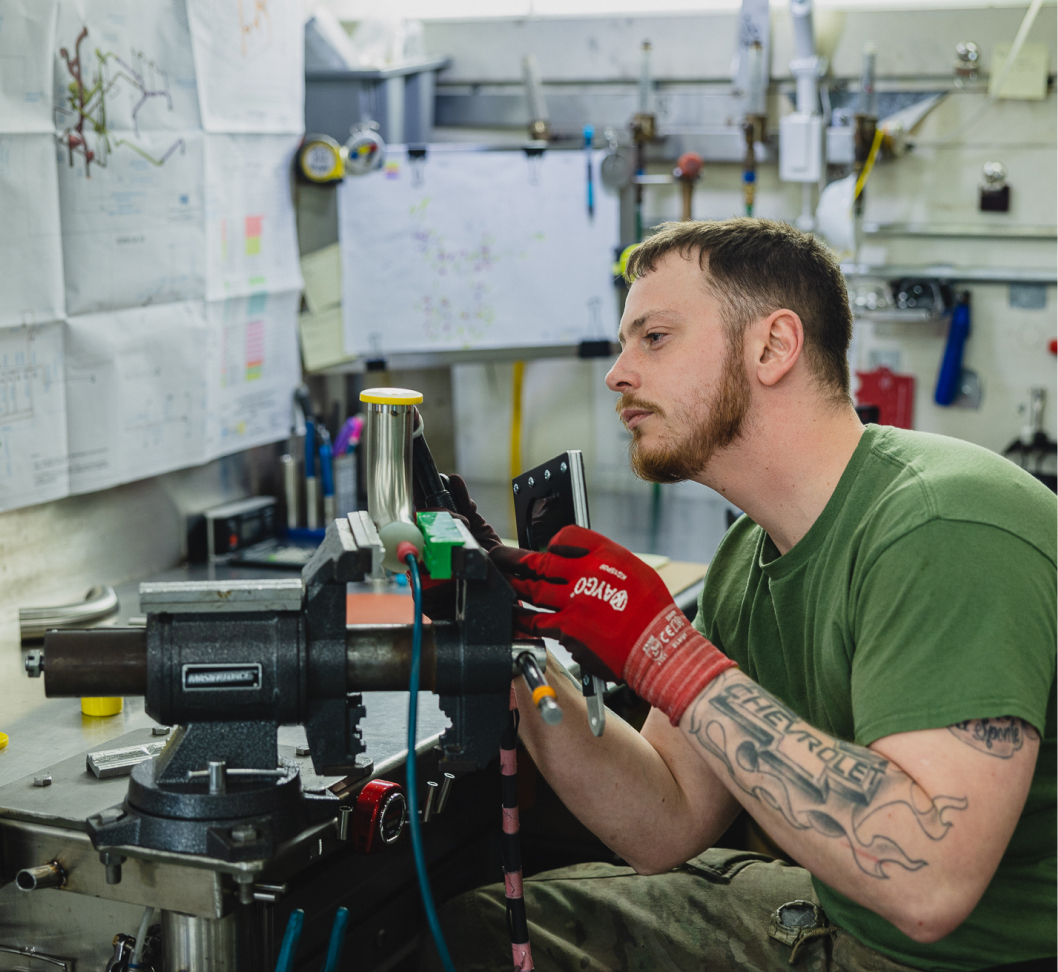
point(442, 535)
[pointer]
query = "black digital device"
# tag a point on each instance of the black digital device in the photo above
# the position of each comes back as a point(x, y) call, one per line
point(549, 497)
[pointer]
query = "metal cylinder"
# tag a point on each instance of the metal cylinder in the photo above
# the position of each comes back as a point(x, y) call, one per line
point(49, 875)
point(378, 657)
point(191, 944)
point(95, 662)
point(390, 423)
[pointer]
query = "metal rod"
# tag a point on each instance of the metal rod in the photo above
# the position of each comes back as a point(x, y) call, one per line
point(101, 662)
point(446, 788)
point(218, 785)
point(431, 792)
point(50, 875)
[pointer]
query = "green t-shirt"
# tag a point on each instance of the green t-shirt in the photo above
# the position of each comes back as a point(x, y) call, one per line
point(924, 595)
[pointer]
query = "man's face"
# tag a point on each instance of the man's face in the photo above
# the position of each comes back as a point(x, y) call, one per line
point(682, 377)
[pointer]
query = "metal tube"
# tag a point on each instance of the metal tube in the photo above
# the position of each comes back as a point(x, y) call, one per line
point(389, 475)
point(446, 788)
point(431, 792)
point(49, 875)
point(646, 92)
point(97, 662)
point(191, 944)
point(378, 657)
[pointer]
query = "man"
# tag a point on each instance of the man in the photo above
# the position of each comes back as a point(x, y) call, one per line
point(870, 673)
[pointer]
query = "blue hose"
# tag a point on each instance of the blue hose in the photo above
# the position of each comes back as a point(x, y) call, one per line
point(410, 783)
point(290, 941)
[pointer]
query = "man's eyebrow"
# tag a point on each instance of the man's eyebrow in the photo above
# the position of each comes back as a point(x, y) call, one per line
point(637, 325)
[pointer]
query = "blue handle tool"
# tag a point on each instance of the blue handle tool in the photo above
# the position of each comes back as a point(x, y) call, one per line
point(948, 379)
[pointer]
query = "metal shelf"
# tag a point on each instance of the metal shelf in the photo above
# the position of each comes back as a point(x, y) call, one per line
point(949, 274)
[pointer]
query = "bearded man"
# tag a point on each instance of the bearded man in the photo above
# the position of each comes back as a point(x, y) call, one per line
point(871, 672)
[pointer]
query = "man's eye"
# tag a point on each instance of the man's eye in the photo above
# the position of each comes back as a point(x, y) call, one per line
point(654, 336)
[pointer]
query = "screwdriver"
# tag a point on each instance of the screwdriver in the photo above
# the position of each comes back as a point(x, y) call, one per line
point(543, 694)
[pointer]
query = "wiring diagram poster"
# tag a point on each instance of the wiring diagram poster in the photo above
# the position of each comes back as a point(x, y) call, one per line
point(33, 435)
point(471, 249)
point(136, 390)
point(149, 270)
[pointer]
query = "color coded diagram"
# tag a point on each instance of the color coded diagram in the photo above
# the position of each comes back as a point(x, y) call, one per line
point(85, 111)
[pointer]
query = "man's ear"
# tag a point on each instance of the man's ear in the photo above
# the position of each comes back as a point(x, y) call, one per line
point(780, 341)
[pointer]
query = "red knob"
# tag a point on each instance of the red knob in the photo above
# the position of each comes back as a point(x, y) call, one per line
point(378, 817)
point(1052, 345)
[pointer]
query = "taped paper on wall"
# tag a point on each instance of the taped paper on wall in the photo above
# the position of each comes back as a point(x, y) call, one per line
point(33, 462)
point(136, 390)
point(321, 338)
point(249, 56)
point(322, 271)
point(253, 371)
point(133, 233)
point(471, 249)
point(31, 280)
point(26, 31)
point(251, 236)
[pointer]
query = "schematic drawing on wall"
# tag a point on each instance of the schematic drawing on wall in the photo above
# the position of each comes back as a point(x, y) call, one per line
point(149, 272)
point(503, 253)
point(86, 102)
point(33, 452)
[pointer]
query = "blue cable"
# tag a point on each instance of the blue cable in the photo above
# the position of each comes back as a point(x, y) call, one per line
point(290, 941)
point(334, 949)
point(410, 783)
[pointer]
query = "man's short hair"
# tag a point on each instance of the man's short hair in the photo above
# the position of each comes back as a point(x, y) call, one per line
point(757, 266)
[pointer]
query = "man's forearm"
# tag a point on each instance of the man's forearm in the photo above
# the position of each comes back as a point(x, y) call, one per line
point(615, 782)
point(853, 818)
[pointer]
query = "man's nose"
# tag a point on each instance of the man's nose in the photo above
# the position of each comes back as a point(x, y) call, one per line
point(621, 377)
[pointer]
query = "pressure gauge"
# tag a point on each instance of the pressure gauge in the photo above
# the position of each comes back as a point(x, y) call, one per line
point(365, 151)
point(320, 160)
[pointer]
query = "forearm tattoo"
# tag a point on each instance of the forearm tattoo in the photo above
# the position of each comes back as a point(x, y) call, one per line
point(995, 737)
point(814, 781)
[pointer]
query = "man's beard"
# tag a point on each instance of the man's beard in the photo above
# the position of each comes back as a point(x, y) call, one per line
point(724, 417)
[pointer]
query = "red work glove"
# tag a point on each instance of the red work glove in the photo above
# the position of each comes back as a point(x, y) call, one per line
point(615, 616)
point(439, 596)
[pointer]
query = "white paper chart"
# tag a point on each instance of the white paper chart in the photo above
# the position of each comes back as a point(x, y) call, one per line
point(472, 249)
point(27, 28)
point(251, 242)
point(252, 366)
point(149, 273)
point(249, 56)
point(33, 437)
point(31, 269)
point(136, 392)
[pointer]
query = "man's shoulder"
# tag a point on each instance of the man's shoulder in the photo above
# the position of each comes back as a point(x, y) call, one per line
point(934, 478)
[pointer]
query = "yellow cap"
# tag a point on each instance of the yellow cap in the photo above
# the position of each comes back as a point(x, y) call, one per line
point(3, 740)
point(390, 396)
point(102, 707)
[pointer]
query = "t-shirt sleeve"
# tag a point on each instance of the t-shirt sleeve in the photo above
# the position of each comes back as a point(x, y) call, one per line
point(953, 621)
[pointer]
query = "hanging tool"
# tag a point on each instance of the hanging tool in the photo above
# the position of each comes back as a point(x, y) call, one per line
point(589, 136)
point(643, 131)
point(539, 123)
point(949, 378)
point(688, 169)
point(751, 79)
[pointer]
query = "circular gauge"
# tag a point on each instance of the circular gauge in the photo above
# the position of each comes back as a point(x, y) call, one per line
point(364, 152)
point(320, 159)
point(616, 170)
point(391, 818)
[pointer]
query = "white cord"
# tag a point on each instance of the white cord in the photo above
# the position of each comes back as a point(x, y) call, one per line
point(141, 937)
point(1008, 64)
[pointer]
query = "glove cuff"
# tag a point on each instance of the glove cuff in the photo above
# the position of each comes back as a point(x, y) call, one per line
point(671, 663)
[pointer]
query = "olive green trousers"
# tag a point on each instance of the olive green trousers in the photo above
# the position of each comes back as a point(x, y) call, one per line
point(713, 914)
